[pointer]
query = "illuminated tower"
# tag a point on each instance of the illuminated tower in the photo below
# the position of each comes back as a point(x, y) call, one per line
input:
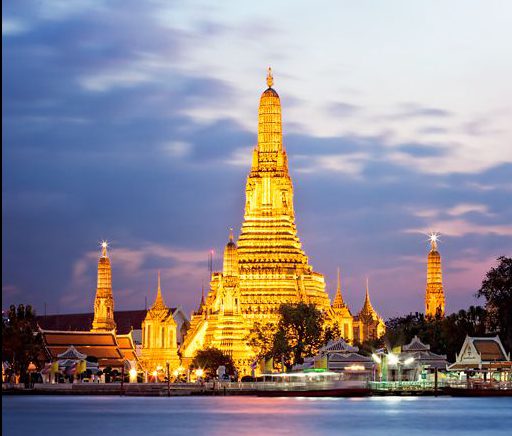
point(342, 315)
point(268, 267)
point(159, 345)
point(104, 301)
point(368, 325)
point(434, 294)
point(273, 267)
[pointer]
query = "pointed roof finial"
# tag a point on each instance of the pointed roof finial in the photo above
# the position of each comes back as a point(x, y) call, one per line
point(367, 308)
point(338, 302)
point(434, 239)
point(270, 78)
point(159, 300)
point(104, 246)
point(231, 237)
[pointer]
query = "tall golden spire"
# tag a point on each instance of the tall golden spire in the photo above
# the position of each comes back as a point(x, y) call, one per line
point(270, 77)
point(104, 300)
point(367, 308)
point(270, 266)
point(159, 303)
point(338, 302)
point(270, 141)
point(434, 293)
point(230, 265)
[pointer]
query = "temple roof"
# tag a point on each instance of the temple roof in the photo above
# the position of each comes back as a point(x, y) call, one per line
point(489, 349)
point(159, 303)
point(126, 320)
point(339, 345)
point(338, 302)
point(102, 345)
point(367, 311)
point(72, 353)
point(416, 345)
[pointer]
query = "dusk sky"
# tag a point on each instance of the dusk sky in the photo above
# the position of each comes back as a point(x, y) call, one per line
point(133, 121)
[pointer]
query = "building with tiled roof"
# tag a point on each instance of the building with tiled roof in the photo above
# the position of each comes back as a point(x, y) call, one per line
point(482, 354)
point(104, 346)
point(339, 356)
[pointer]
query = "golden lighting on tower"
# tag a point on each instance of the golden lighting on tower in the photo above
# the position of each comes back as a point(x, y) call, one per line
point(434, 293)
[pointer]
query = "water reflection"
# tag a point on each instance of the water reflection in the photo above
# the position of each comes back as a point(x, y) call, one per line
point(127, 416)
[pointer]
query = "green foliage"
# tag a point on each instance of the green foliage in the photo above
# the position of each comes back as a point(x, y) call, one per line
point(261, 339)
point(210, 359)
point(497, 290)
point(20, 344)
point(299, 333)
point(444, 335)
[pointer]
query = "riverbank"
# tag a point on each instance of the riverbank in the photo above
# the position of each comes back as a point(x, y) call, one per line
point(234, 389)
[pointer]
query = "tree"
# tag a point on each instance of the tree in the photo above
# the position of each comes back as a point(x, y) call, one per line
point(20, 344)
point(497, 290)
point(444, 335)
point(261, 339)
point(210, 359)
point(300, 333)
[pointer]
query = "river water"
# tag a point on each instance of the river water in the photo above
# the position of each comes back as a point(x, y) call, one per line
point(151, 416)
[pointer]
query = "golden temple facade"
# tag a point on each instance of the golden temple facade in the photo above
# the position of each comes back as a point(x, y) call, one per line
point(434, 293)
point(159, 345)
point(267, 267)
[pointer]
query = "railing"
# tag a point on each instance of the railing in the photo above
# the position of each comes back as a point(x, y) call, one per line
point(405, 385)
point(285, 386)
point(479, 384)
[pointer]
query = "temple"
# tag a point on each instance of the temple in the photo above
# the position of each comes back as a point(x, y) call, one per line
point(341, 313)
point(159, 346)
point(267, 266)
point(104, 301)
point(434, 294)
point(368, 325)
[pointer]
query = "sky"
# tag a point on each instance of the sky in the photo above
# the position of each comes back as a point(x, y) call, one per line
point(133, 121)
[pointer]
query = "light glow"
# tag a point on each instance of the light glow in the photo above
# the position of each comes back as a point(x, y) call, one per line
point(392, 359)
point(409, 360)
point(434, 237)
point(355, 368)
point(376, 358)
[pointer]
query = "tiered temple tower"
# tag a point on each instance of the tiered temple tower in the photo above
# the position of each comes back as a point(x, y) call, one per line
point(104, 301)
point(269, 267)
point(368, 324)
point(342, 313)
point(159, 345)
point(434, 294)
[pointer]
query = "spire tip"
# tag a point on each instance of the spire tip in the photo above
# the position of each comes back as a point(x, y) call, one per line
point(270, 78)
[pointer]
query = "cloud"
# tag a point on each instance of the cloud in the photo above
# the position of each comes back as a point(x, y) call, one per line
point(347, 164)
point(10, 291)
point(134, 273)
point(465, 208)
point(342, 109)
point(461, 227)
point(415, 110)
point(13, 27)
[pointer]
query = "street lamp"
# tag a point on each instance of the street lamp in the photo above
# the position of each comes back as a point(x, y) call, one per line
point(133, 375)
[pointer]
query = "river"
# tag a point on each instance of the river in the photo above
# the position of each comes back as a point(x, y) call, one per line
point(154, 416)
